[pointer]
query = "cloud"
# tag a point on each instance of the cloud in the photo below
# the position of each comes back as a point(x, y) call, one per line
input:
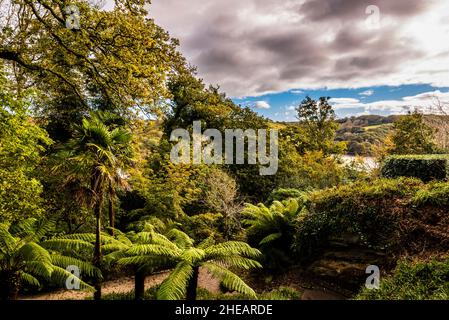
point(425, 102)
point(255, 47)
point(296, 91)
point(262, 105)
point(343, 101)
point(367, 93)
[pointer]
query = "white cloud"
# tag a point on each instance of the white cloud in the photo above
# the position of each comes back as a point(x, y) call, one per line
point(367, 93)
point(425, 102)
point(262, 105)
point(343, 101)
point(296, 91)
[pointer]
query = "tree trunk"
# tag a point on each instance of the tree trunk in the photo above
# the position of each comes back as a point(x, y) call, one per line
point(193, 285)
point(111, 215)
point(139, 285)
point(9, 285)
point(97, 250)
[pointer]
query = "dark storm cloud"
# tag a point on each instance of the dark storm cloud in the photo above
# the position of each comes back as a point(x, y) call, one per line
point(256, 46)
point(317, 10)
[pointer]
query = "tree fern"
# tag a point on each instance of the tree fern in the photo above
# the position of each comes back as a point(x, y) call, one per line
point(26, 261)
point(272, 229)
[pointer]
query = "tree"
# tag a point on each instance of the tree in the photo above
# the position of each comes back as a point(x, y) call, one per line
point(318, 120)
point(412, 136)
point(95, 159)
point(272, 229)
point(117, 60)
point(177, 249)
point(24, 257)
point(22, 144)
point(123, 253)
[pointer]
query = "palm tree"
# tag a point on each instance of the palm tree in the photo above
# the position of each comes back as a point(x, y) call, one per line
point(24, 259)
point(94, 158)
point(272, 229)
point(177, 248)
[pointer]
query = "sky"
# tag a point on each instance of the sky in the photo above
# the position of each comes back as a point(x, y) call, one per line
point(369, 56)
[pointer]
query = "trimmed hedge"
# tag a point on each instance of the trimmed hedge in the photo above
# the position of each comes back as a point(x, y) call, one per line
point(424, 167)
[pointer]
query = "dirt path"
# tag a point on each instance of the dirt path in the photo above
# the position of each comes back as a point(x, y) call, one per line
point(124, 285)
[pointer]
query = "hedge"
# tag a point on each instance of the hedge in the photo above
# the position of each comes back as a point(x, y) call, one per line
point(424, 167)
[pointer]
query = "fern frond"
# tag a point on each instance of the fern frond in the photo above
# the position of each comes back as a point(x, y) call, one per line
point(174, 287)
point(270, 238)
point(237, 262)
point(193, 254)
point(85, 267)
point(152, 249)
point(233, 248)
point(67, 244)
point(60, 276)
point(28, 279)
point(229, 279)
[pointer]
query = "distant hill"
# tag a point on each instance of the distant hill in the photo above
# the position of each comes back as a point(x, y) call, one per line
point(364, 133)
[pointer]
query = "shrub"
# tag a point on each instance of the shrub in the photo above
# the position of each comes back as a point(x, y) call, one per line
point(424, 167)
point(372, 210)
point(413, 281)
point(284, 194)
point(435, 194)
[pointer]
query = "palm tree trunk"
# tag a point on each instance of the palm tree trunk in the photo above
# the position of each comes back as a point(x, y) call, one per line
point(193, 285)
point(97, 250)
point(111, 209)
point(139, 285)
point(111, 217)
point(9, 285)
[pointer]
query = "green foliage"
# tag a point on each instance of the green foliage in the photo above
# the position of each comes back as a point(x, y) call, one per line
point(368, 209)
point(413, 136)
point(116, 60)
point(435, 194)
point(272, 229)
point(318, 121)
point(21, 144)
point(285, 194)
point(217, 258)
point(413, 281)
point(363, 140)
point(424, 167)
point(26, 260)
